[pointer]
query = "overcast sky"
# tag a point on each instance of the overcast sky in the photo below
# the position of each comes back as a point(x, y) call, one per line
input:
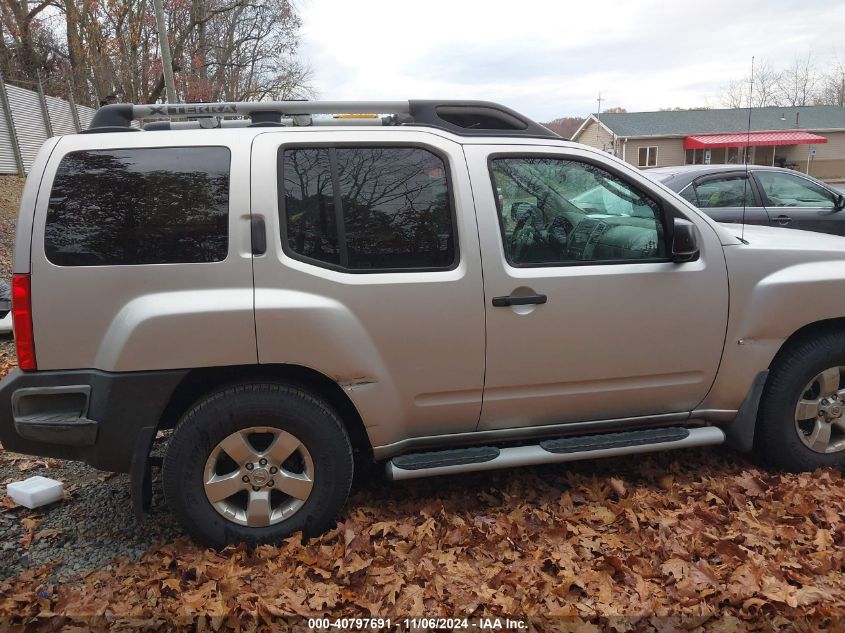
point(550, 59)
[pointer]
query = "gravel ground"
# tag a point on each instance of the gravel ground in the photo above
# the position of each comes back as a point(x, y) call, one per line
point(10, 190)
point(92, 526)
point(7, 349)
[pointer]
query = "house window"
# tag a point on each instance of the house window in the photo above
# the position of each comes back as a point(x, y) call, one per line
point(648, 157)
point(733, 155)
point(695, 157)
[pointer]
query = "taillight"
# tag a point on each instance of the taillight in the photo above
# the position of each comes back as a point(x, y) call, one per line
point(22, 321)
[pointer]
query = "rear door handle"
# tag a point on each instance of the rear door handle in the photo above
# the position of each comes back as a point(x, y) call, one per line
point(783, 220)
point(525, 300)
point(258, 235)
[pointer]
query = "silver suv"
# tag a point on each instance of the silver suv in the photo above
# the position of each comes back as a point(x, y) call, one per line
point(300, 288)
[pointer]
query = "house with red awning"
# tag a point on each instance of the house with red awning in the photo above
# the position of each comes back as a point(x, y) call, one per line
point(808, 138)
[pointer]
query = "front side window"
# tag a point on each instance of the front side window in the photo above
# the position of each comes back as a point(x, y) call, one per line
point(786, 190)
point(368, 208)
point(139, 206)
point(647, 157)
point(558, 211)
point(730, 191)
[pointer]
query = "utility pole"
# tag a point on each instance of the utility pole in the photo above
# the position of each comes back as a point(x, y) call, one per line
point(166, 59)
point(598, 117)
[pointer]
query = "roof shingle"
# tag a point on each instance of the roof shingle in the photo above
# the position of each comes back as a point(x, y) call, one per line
point(687, 122)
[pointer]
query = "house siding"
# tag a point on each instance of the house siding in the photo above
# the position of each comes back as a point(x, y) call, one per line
point(828, 169)
point(596, 136)
point(834, 149)
point(670, 151)
point(828, 163)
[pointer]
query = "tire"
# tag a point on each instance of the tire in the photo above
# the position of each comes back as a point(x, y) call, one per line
point(777, 437)
point(266, 416)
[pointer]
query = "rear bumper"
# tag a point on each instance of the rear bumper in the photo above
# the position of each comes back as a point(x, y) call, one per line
point(86, 415)
point(5, 322)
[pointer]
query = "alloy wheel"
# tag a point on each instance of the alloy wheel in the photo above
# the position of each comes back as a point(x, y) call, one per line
point(259, 476)
point(819, 413)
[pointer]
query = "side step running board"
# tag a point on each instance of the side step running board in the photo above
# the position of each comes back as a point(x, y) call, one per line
point(566, 449)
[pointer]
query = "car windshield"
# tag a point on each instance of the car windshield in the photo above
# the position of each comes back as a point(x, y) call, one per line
point(609, 199)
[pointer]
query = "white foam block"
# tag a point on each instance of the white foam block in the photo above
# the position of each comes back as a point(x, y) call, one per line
point(36, 491)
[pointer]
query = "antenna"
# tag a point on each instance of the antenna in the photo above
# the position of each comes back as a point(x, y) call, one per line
point(745, 153)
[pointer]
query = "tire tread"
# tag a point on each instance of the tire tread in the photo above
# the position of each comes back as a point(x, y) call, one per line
point(776, 440)
point(212, 407)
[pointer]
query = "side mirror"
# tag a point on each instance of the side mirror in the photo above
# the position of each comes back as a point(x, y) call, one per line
point(684, 242)
point(839, 203)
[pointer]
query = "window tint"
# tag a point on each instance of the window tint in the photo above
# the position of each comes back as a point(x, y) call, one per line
point(139, 206)
point(730, 191)
point(555, 211)
point(309, 202)
point(786, 190)
point(385, 208)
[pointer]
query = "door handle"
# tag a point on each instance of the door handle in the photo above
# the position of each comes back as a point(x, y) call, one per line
point(783, 220)
point(525, 300)
point(258, 233)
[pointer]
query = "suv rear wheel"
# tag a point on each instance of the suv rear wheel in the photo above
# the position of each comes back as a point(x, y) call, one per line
point(801, 424)
point(255, 463)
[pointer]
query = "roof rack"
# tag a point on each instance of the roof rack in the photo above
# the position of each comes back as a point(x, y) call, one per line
point(467, 118)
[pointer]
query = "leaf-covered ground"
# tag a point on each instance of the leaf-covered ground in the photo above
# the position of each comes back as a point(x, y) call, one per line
point(694, 536)
point(696, 540)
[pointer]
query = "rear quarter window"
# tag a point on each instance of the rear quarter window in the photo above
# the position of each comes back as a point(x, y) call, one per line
point(139, 206)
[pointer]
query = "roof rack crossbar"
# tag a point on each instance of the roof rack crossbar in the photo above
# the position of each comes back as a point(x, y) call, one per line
point(467, 118)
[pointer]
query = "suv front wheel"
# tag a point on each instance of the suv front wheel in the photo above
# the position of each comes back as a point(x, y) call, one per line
point(255, 463)
point(801, 423)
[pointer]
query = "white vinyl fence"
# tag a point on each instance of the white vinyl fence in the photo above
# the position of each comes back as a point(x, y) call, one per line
point(27, 119)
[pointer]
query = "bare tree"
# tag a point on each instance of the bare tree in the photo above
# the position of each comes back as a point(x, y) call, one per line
point(27, 44)
point(734, 95)
point(766, 81)
point(253, 53)
point(683, 109)
point(565, 126)
point(797, 83)
point(765, 91)
point(832, 91)
point(109, 49)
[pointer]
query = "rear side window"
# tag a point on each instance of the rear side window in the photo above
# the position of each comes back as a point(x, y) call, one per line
point(139, 206)
point(367, 208)
point(726, 192)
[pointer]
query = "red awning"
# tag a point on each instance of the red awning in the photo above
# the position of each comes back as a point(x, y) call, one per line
point(754, 139)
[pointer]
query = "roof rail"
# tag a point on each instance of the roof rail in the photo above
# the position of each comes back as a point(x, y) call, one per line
point(466, 118)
